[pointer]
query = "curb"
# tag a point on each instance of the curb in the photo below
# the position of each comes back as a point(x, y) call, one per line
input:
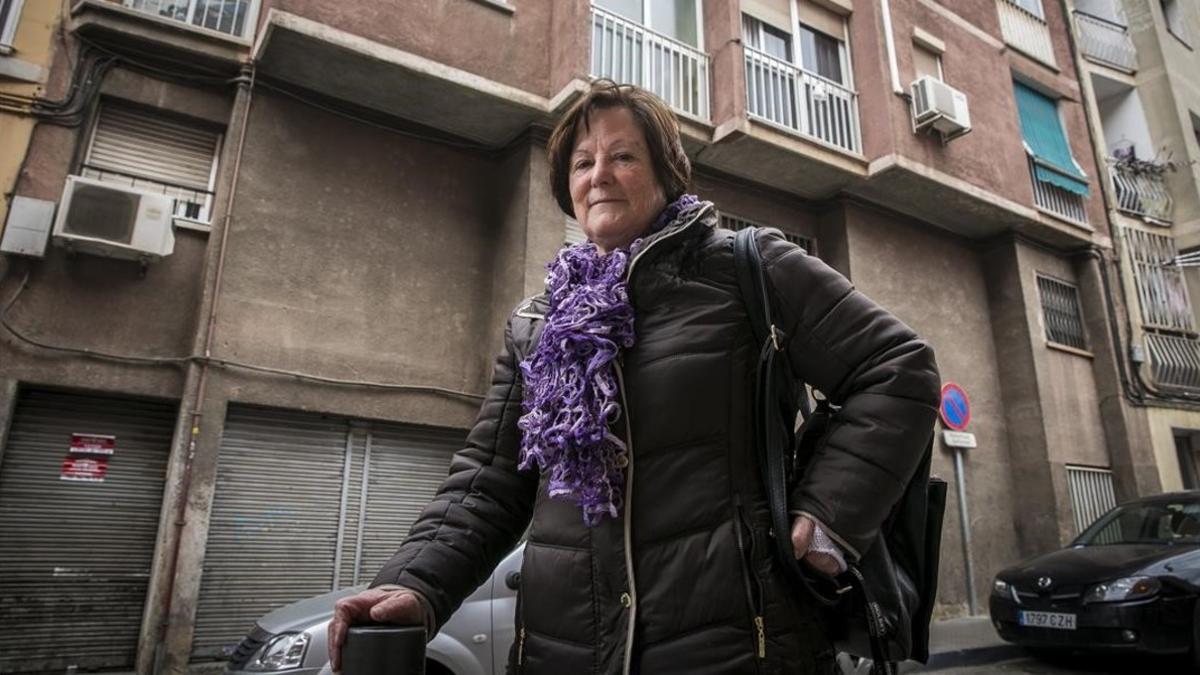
point(971, 657)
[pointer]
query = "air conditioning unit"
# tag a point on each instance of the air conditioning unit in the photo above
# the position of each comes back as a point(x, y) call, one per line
point(115, 221)
point(941, 107)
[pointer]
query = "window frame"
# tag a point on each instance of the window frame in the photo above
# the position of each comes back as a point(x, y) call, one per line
point(761, 29)
point(204, 217)
point(645, 20)
point(10, 16)
point(937, 57)
point(1042, 281)
point(847, 73)
point(1040, 13)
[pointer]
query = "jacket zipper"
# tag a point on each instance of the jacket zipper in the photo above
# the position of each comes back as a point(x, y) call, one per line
point(520, 628)
point(628, 527)
point(628, 507)
point(753, 589)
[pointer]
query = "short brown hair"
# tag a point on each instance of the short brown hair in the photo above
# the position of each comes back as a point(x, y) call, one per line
point(656, 121)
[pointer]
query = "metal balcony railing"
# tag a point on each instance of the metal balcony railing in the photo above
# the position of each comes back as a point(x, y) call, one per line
point(1174, 360)
point(802, 102)
point(1025, 30)
point(630, 53)
point(1161, 288)
point(1106, 41)
point(1139, 193)
point(231, 17)
point(1060, 202)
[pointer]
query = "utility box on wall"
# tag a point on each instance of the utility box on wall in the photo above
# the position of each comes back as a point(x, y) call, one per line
point(28, 227)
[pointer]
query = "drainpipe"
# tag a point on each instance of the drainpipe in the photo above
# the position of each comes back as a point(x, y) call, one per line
point(247, 81)
point(886, 8)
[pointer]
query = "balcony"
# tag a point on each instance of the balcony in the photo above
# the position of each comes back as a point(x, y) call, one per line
point(1106, 41)
point(1025, 30)
point(801, 102)
point(1141, 192)
point(235, 18)
point(629, 53)
point(1053, 199)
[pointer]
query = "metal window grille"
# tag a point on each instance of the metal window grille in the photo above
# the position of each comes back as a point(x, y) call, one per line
point(732, 222)
point(1092, 494)
point(1161, 289)
point(142, 149)
point(1061, 313)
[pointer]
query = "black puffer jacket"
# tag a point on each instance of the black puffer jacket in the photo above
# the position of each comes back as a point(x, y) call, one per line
point(683, 581)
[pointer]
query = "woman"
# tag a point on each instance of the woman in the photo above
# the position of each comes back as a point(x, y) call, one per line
point(619, 421)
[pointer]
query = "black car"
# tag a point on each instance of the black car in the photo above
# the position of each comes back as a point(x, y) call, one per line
point(1128, 583)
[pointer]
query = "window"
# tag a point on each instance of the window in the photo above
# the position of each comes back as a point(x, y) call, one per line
point(1046, 141)
point(1174, 12)
point(927, 62)
point(147, 150)
point(732, 222)
point(10, 13)
point(678, 19)
point(1092, 494)
point(766, 38)
point(1061, 313)
point(823, 54)
point(1185, 451)
point(1034, 7)
point(1162, 289)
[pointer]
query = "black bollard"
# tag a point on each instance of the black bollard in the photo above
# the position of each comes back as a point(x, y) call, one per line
point(384, 650)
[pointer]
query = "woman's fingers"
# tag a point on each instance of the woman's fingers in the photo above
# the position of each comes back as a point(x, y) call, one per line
point(372, 605)
point(400, 607)
point(802, 534)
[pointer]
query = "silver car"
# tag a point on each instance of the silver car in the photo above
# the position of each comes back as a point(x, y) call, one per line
point(475, 641)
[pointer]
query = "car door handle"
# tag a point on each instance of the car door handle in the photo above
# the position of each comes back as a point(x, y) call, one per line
point(513, 580)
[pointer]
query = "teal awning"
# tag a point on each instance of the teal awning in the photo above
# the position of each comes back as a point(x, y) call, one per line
point(1043, 132)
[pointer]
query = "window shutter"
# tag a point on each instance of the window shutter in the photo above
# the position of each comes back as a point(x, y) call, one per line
point(144, 145)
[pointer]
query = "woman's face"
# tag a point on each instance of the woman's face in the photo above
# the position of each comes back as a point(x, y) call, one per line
point(613, 187)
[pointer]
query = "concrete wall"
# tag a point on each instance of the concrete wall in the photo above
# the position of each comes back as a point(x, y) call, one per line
point(941, 291)
point(24, 72)
point(475, 36)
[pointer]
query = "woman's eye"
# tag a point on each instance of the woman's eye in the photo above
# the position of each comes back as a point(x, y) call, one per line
point(582, 164)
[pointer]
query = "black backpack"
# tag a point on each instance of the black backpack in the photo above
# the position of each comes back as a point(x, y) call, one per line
point(880, 607)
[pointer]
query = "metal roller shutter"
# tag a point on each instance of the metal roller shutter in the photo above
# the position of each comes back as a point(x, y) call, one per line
point(76, 556)
point(139, 143)
point(405, 468)
point(288, 511)
point(274, 523)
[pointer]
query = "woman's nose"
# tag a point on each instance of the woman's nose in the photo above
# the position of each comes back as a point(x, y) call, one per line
point(601, 172)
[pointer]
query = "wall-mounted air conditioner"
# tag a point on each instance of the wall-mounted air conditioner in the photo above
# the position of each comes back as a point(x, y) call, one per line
point(113, 220)
point(936, 105)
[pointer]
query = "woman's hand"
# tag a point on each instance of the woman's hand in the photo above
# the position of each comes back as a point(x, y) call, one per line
point(802, 536)
point(387, 604)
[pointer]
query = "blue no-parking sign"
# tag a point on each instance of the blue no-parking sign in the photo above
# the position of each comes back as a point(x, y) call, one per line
point(956, 408)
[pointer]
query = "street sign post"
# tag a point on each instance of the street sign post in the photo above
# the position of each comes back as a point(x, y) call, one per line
point(955, 411)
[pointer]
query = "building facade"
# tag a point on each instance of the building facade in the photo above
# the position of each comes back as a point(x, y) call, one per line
point(1138, 75)
point(285, 236)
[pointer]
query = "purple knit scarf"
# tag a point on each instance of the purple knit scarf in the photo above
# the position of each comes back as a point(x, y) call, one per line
point(571, 390)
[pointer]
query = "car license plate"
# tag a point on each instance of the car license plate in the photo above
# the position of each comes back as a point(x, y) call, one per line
point(1058, 620)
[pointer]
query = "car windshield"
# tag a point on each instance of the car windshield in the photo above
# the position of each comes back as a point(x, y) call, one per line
point(1148, 523)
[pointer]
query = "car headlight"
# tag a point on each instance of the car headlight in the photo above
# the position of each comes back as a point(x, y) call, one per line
point(1001, 587)
point(1129, 588)
point(285, 650)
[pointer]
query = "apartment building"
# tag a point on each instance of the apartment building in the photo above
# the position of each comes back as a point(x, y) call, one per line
point(1139, 79)
point(277, 255)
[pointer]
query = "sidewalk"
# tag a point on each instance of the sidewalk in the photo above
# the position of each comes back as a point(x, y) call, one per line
point(969, 641)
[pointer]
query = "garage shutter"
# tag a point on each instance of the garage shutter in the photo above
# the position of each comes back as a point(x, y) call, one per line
point(75, 556)
point(287, 514)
